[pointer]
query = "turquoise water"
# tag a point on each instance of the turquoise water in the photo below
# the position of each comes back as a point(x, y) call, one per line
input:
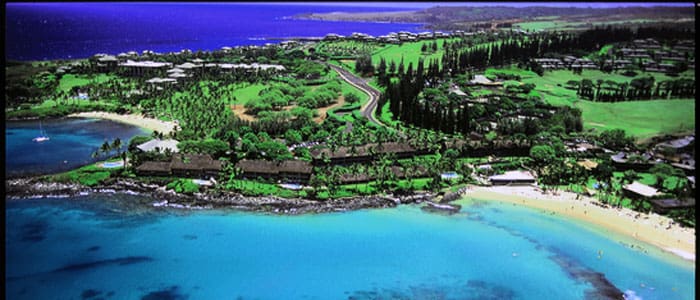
point(72, 141)
point(90, 247)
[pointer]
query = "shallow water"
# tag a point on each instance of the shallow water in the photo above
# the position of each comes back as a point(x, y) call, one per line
point(105, 247)
point(71, 143)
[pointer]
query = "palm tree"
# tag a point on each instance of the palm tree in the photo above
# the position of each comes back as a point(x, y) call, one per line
point(117, 145)
point(96, 153)
point(106, 148)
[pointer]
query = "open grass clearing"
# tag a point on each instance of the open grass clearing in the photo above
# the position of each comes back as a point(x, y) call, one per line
point(246, 91)
point(641, 119)
point(69, 81)
point(251, 91)
point(410, 51)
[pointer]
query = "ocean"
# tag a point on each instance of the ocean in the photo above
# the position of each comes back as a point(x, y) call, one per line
point(45, 31)
point(70, 145)
point(107, 247)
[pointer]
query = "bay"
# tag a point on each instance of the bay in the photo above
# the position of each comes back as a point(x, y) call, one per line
point(71, 144)
point(100, 246)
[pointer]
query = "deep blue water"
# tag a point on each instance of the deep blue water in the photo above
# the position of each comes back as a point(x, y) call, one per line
point(93, 247)
point(71, 143)
point(40, 31)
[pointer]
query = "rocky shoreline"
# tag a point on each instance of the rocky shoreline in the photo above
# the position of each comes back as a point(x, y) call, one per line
point(35, 187)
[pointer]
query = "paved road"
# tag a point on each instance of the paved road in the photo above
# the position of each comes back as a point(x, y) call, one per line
point(371, 105)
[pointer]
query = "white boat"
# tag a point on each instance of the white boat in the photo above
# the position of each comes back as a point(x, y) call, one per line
point(42, 135)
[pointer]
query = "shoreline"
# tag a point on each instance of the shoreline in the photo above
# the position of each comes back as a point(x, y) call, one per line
point(35, 187)
point(652, 228)
point(165, 127)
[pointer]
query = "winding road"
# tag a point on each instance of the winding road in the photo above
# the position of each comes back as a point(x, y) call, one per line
point(370, 107)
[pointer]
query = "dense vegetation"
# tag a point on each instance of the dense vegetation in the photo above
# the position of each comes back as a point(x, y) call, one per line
point(431, 99)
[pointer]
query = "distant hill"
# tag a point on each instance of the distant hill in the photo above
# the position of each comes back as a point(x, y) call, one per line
point(451, 18)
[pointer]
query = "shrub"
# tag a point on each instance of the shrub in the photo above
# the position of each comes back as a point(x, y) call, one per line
point(184, 186)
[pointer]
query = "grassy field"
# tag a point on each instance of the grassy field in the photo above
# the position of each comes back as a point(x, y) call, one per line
point(246, 91)
point(639, 118)
point(543, 24)
point(552, 84)
point(538, 25)
point(411, 52)
point(69, 81)
point(642, 119)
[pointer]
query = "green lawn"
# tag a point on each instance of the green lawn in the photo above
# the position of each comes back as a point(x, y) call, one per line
point(562, 76)
point(538, 25)
point(246, 91)
point(565, 25)
point(411, 53)
point(348, 88)
point(642, 119)
point(69, 81)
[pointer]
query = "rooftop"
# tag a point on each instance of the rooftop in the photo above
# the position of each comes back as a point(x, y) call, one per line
point(678, 143)
point(160, 144)
point(514, 175)
point(673, 203)
point(145, 64)
point(641, 189)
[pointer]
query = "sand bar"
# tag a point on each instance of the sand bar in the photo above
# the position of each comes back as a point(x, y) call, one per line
point(132, 119)
point(652, 228)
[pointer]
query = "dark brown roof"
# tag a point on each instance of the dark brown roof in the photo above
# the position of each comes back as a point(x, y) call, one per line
point(295, 166)
point(351, 178)
point(673, 203)
point(272, 167)
point(364, 150)
point(154, 166)
point(257, 166)
point(194, 162)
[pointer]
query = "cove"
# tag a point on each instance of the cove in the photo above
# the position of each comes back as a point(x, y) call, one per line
point(94, 246)
point(72, 141)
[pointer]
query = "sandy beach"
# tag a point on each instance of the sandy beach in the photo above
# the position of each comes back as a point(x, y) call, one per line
point(136, 120)
point(649, 228)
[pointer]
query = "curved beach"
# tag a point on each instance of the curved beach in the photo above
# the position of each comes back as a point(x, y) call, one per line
point(137, 120)
point(650, 228)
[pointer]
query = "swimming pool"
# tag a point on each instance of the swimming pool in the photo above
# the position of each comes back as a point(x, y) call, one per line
point(291, 186)
point(114, 164)
point(449, 175)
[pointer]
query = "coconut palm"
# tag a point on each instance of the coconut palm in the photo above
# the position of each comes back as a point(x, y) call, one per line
point(106, 148)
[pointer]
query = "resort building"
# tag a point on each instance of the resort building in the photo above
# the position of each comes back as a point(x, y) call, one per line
point(622, 162)
point(364, 153)
point(677, 145)
point(199, 165)
point(288, 170)
point(162, 81)
point(154, 168)
point(142, 68)
point(104, 63)
point(665, 205)
point(159, 145)
point(184, 165)
point(637, 190)
point(513, 178)
point(482, 80)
